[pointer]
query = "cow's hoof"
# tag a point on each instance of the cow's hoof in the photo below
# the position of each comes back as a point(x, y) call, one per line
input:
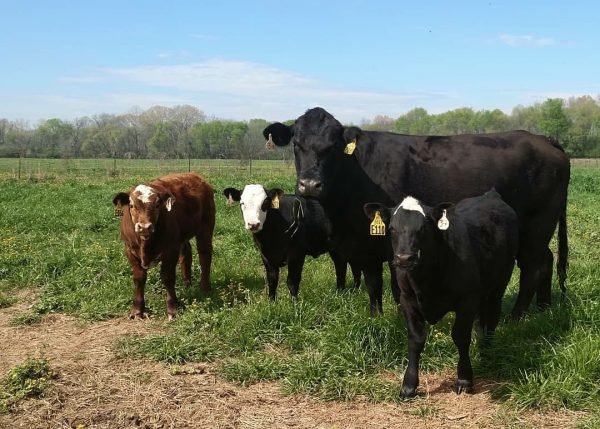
point(408, 392)
point(464, 386)
point(170, 317)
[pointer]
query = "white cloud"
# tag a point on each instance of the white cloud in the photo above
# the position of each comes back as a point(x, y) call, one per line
point(244, 90)
point(526, 40)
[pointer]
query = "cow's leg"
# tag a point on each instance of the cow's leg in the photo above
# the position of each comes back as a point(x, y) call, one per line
point(491, 308)
point(205, 250)
point(374, 280)
point(295, 265)
point(535, 261)
point(461, 334)
point(272, 278)
point(340, 270)
point(415, 325)
point(356, 274)
point(185, 262)
point(167, 275)
point(138, 309)
point(536, 275)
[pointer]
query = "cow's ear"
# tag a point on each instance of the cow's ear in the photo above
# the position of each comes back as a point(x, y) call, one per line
point(352, 134)
point(232, 195)
point(272, 200)
point(440, 215)
point(278, 133)
point(167, 199)
point(122, 198)
point(371, 209)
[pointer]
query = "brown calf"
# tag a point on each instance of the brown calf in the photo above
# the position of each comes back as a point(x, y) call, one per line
point(159, 219)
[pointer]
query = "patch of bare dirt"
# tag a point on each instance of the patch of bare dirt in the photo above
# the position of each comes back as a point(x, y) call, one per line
point(94, 389)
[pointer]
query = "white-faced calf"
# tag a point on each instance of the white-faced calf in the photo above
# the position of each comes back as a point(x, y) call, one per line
point(451, 258)
point(159, 219)
point(285, 229)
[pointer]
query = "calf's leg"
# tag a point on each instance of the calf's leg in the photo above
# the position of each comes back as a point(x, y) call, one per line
point(205, 250)
point(461, 334)
point(167, 275)
point(185, 261)
point(415, 326)
point(295, 265)
point(138, 309)
point(272, 273)
point(356, 274)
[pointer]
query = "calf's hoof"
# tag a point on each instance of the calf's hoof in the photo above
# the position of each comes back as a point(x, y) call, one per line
point(464, 386)
point(170, 317)
point(138, 315)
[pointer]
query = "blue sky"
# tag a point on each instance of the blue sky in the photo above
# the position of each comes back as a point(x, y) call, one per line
point(274, 59)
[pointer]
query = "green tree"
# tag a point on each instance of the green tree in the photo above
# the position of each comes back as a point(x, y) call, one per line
point(554, 121)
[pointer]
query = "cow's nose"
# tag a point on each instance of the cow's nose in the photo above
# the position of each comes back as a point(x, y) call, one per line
point(253, 226)
point(309, 187)
point(144, 228)
point(405, 259)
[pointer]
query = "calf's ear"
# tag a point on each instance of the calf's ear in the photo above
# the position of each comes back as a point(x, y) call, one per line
point(121, 198)
point(272, 200)
point(371, 208)
point(167, 199)
point(440, 215)
point(278, 133)
point(232, 195)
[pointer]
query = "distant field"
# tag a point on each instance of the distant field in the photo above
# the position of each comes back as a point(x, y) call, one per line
point(58, 235)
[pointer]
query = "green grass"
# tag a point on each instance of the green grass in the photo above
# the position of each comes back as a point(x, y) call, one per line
point(59, 235)
point(29, 379)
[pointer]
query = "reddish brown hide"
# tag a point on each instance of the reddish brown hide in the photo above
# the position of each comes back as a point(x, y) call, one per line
point(159, 219)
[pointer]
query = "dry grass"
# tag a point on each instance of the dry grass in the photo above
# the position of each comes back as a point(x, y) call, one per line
point(96, 390)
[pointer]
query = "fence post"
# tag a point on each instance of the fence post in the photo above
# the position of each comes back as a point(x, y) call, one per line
point(19, 174)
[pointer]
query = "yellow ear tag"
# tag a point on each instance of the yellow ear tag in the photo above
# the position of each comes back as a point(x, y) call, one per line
point(349, 149)
point(270, 145)
point(275, 202)
point(377, 226)
point(118, 210)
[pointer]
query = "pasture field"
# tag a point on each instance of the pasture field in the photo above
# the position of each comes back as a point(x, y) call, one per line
point(59, 242)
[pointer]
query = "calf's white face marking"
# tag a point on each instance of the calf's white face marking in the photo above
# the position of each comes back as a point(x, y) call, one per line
point(412, 204)
point(145, 192)
point(251, 202)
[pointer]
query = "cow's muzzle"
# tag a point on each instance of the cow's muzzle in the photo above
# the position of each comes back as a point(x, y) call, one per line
point(144, 230)
point(405, 260)
point(309, 187)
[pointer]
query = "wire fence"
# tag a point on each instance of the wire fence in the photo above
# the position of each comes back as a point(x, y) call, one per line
point(48, 169)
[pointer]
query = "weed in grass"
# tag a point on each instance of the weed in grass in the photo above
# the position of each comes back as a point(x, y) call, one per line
point(5, 301)
point(27, 380)
point(26, 319)
point(424, 411)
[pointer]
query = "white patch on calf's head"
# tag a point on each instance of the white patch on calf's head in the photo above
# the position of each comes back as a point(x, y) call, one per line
point(411, 204)
point(251, 202)
point(145, 192)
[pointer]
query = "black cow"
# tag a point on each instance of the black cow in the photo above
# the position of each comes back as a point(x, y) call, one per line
point(530, 172)
point(285, 229)
point(454, 258)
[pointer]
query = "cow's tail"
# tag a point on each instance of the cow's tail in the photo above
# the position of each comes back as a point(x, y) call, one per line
point(563, 254)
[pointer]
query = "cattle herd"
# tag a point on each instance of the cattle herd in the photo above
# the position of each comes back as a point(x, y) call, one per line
point(450, 215)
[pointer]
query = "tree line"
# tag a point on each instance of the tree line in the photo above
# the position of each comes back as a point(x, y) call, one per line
point(185, 132)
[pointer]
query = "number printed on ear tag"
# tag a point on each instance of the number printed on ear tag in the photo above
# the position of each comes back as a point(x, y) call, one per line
point(118, 210)
point(377, 226)
point(350, 147)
